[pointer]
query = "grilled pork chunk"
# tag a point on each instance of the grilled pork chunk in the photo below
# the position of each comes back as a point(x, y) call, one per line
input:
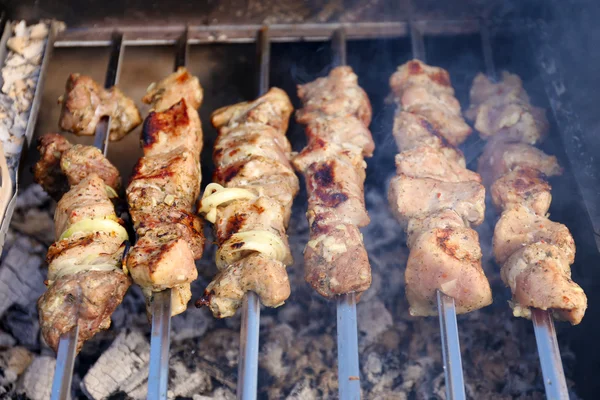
point(85, 103)
point(179, 85)
point(337, 114)
point(434, 196)
point(250, 203)
point(86, 281)
point(534, 252)
point(163, 191)
point(503, 109)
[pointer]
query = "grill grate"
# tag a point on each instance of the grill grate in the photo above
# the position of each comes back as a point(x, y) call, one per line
point(184, 36)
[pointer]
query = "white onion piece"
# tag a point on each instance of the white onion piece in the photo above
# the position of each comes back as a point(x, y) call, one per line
point(93, 225)
point(216, 195)
point(264, 242)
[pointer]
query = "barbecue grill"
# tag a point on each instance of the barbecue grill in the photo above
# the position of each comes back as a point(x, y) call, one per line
point(305, 41)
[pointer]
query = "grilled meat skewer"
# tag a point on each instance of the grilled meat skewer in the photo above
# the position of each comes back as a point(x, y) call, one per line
point(434, 196)
point(250, 203)
point(337, 113)
point(163, 190)
point(85, 103)
point(535, 253)
point(86, 280)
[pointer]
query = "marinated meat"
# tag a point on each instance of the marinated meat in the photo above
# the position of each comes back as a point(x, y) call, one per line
point(47, 171)
point(85, 103)
point(434, 197)
point(337, 114)
point(535, 253)
point(163, 191)
point(250, 203)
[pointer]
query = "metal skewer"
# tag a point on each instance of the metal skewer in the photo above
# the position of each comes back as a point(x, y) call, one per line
point(247, 384)
point(65, 358)
point(160, 337)
point(455, 384)
point(555, 382)
point(347, 328)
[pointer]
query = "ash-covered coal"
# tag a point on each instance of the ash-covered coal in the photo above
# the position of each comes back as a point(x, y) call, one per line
point(400, 356)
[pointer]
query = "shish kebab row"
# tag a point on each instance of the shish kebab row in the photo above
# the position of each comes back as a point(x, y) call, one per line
point(249, 203)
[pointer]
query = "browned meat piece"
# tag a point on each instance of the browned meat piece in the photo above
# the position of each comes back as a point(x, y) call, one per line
point(522, 186)
point(251, 209)
point(336, 95)
point(334, 181)
point(412, 131)
point(335, 258)
point(163, 191)
point(420, 197)
point(348, 130)
point(430, 162)
point(47, 171)
point(434, 196)
point(337, 114)
point(87, 299)
point(519, 226)
point(449, 260)
point(85, 103)
point(503, 109)
point(540, 277)
point(256, 273)
point(170, 178)
point(501, 156)
point(417, 73)
point(175, 87)
point(272, 109)
point(80, 161)
point(178, 127)
point(62, 164)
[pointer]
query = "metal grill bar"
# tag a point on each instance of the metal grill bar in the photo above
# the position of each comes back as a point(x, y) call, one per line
point(347, 328)
point(63, 374)
point(555, 382)
point(455, 385)
point(247, 384)
point(160, 338)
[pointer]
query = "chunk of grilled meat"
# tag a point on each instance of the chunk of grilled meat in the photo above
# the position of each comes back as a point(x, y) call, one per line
point(434, 196)
point(503, 108)
point(540, 277)
point(501, 155)
point(62, 165)
point(426, 91)
point(85, 103)
point(534, 252)
point(86, 281)
point(179, 85)
point(163, 190)
point(47, 171)
point(449, 260)
point(522, 186)
point(251, 209)
point(337, 114)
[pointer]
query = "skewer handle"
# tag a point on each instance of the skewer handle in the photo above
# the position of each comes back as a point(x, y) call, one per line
point(65, 360)
point(455, 384)
point(552, 369)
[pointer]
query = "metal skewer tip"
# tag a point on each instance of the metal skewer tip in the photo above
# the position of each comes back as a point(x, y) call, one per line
point(455, 384)
point(65, 359)
point(160, 339)
point(552, 369)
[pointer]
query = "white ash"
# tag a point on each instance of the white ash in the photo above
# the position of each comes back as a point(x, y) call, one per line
point(36, 382)
point(20, 75)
